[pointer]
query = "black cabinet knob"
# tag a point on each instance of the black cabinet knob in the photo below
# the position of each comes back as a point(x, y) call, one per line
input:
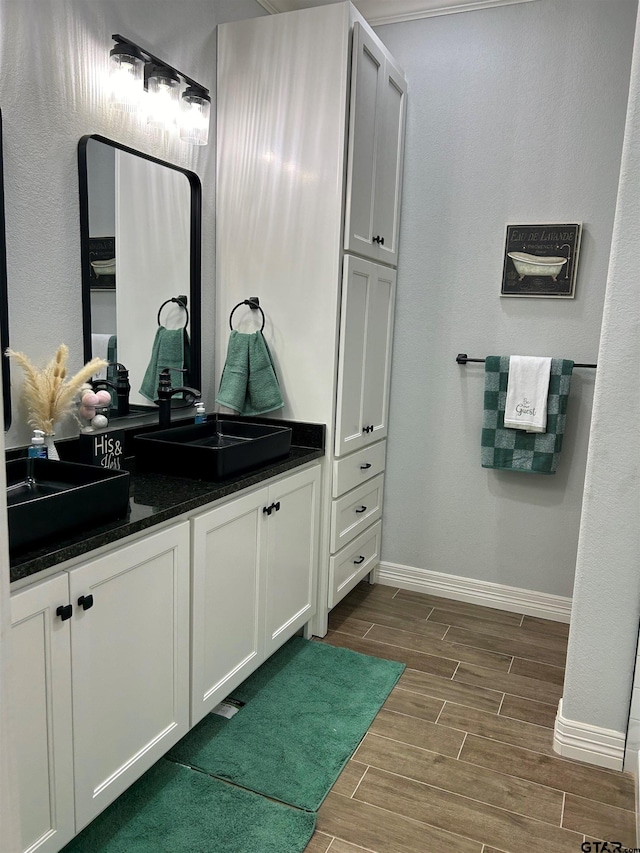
point(86, 602)
point(276, 506)
point(358, 561)
point(379, 240)
point(267, 509)
point(361, 509)
point(64, 612)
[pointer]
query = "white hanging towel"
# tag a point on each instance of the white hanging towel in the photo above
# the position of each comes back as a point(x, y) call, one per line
point(527, 391)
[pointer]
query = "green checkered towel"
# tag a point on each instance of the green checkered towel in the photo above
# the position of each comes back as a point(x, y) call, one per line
point(515, 449)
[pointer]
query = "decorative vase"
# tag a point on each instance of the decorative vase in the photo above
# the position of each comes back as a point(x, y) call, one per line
point(52, 452)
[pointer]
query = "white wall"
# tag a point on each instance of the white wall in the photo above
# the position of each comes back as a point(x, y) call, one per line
point(54, 56)
point(604, 628)
point(515, 115)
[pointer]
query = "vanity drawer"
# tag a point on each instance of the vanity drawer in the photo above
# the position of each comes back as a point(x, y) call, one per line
point(353, 563)
point(355, 511)
point(356, 468)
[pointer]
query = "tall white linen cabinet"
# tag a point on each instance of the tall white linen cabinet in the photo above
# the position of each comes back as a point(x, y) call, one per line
point(310, 133)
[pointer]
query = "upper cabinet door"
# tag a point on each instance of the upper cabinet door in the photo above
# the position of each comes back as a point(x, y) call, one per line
point(389, 161)
point(376, 141)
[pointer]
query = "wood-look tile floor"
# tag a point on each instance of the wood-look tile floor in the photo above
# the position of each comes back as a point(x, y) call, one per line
point(460, 757)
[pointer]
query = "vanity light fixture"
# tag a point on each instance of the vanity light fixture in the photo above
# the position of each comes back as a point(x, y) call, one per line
point(141, 81)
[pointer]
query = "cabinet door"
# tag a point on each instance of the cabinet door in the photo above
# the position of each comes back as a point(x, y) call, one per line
point(130, 662)
point(41, 704)
point(228, 551)
point(367, 77)
point(377, 361)
point(364, 360)
point(375, 151)
point(292, 558)
point(389, 161)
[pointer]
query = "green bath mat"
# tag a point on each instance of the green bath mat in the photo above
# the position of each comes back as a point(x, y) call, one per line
point(173, 809)
point(306, 710)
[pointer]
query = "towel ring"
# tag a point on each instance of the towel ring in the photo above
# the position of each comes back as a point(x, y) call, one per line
point(179, 300)
point(254, 304)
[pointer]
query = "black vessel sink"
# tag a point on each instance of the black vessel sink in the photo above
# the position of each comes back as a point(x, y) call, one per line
point(211, 451)
point(48, 499)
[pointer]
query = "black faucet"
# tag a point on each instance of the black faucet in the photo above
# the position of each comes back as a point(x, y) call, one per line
point(166, 392)
point(121, 387)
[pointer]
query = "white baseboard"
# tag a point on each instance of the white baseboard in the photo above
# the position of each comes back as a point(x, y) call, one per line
point(485, 593)
point(573, 739)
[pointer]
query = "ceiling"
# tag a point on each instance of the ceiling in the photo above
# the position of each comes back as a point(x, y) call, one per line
point(392, 11)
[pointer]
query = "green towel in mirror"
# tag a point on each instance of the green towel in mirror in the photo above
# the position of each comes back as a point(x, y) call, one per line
point(249, 384)
point(168, 350)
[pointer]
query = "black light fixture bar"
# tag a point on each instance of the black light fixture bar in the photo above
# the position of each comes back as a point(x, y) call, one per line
point(150, 57)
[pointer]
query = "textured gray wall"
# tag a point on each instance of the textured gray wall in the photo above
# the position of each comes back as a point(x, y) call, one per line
point(604, 623)
point(515, 114)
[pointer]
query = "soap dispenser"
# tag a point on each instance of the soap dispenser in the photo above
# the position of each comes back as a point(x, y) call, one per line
point(37, 449)
point(201, 414)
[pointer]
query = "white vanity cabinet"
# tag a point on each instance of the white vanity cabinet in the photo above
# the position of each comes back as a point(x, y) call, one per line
point(364, 360)
point(101, 656)
point(310, 131)
point(375, 153)
point(130, 664)
point(254, 573)
point(41, 719)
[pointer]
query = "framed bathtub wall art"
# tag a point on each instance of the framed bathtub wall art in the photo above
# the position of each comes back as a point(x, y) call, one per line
point(541, 260)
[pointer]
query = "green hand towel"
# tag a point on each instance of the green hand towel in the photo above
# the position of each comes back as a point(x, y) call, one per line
point(235, 375)
point(167, 351)
point(249, 384)
point(263, 390)
point(514, 449)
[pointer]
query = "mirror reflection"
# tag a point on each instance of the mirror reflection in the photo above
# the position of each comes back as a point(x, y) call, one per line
point(140, 227)
point(4, 310)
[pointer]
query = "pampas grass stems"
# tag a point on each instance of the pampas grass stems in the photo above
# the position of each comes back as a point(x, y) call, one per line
point(48, 394)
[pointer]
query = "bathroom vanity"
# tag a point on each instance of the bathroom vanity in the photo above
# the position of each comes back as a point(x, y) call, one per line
point(127, 635)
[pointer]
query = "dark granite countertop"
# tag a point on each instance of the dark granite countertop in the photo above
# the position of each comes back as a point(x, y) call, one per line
point(155, 498)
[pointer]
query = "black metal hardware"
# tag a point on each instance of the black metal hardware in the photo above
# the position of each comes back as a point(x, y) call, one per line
point(276, 506)
point(362, 509)
point(379, 240)
point(365, 466)
point(166, 392)
point(86, 602)
point(64, 612)
point(463, 358)
point(179, 300)
point(267, 509)
point(358, 561)
point(254, 303)
point(368, 428)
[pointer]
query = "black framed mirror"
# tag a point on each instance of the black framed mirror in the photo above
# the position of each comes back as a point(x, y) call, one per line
point(140, 227)
point(4, 300)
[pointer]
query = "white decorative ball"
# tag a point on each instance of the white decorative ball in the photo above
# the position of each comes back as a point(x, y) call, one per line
point(99, 421)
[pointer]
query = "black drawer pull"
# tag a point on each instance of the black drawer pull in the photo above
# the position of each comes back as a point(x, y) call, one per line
point(267, 509)
point(64, 612)
point(365, 466)
point(362, 509)
point(86, 602)
point(276, 506)
point(379, 240)
point(358, 561)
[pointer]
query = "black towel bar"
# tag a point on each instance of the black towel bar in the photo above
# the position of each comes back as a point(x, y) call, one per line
point(463, 358)
point(254, 303)
point(179, 300)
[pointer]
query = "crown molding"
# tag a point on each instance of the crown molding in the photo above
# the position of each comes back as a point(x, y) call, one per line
point(379, 12)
